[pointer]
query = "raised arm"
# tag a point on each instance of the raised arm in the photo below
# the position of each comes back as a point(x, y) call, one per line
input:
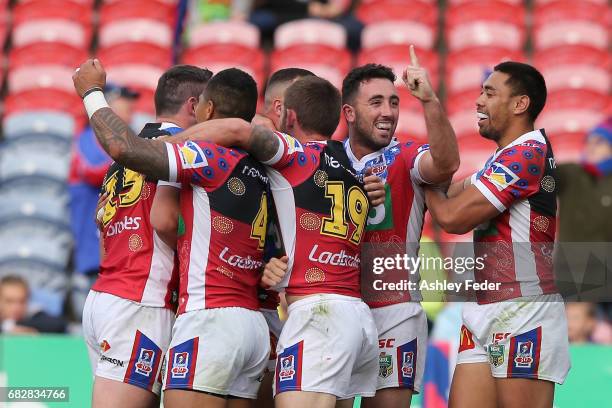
point(145, 156)
point(441, 161)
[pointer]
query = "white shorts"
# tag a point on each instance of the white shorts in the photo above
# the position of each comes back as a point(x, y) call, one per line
point(402, 342)
point(521, 338)
point(275, 325)
point(126, 341)
point(222, 351)
point(328, 345)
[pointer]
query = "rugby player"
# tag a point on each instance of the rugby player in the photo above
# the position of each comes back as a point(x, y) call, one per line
point(220, 341)
point(514, 341)
point(327, 351)
point(129, 312)
point(371, 108)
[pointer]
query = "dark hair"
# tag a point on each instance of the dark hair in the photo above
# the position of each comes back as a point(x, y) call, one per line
point(351, 83)
point(316, 103)
point(14, 280)
point(234, 94)
point(284, 75)
point(525, 80)
point(178, 84)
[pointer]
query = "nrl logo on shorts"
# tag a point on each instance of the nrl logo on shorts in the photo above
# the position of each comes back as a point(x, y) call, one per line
point(524, 354)
point(287, 370)
point(385, 363)
point(408, 364)
point(144, 365)
point(496, 354)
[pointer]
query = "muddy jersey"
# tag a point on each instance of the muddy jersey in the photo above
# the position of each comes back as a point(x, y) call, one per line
point(224, 208)
point(137, 264)
point(322, 210)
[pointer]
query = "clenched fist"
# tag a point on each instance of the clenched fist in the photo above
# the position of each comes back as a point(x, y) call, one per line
point(90, 74)
point(416, 79)
point(274, 272)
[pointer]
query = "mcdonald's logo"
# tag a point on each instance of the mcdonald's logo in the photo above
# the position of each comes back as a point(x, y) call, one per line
point(466, 342)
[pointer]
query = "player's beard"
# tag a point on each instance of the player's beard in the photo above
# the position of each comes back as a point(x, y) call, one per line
point(490, 133)
point(365, 135)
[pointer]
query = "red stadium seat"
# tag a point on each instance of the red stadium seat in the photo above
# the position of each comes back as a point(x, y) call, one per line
point(294, 56)
point(376, 11)
point(328, 71)
point(136, 30)
point(220, 56)
point(466, 69)
point(583, 76)
point(576, 120)
point(567, 147)
point(310, 31)
point(41, 76)
point(578, 99)
point(570, 22)
point(399, 33)
point(145, 102)
point(512, 2)
point(52, 10)
point(145, 9)
point(47, 53)
point(397, 57)
point(341, 132)
point(411, 126)
point(63, 31)
point(139, 76)
point(51, 99)
point(485, 23)
point(222, 32)
point(572, 54)
point(474, 151)
point(135, 53)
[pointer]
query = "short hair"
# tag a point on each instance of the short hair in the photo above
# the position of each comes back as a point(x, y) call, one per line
point(177, 85)
point(316, 103)
point(14, 280)
point(525, 80)
point(351, 83)
point(234, 94)
point(286, 75)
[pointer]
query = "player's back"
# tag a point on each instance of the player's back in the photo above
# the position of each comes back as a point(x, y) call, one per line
point(322, 210)
point(137, 264)
point(225, 210)
point(517, 245)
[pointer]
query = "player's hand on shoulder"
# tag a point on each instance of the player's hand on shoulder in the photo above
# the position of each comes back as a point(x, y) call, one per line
point(375, 188)
point(417, 80)
point(90, 74)
point(274, 271)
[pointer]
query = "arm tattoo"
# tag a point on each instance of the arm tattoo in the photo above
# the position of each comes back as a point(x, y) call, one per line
point(145, 156)
point(263, 143)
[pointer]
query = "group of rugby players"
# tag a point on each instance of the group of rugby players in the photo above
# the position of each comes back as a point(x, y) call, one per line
point(190, 203)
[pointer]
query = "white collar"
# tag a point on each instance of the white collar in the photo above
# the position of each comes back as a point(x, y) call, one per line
point(166, 125)
point(369, 156)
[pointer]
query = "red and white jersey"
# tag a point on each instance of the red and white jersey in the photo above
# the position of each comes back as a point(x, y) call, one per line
point(322, 210)
point(517, 245)
point(137, 265)
point(225, 210)
point(394, 227)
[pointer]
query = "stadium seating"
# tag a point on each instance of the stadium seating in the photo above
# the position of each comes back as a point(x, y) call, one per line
point(223, 32)
point(157, 10)
point(398, 32)
point(136, 30)
point(375, 11)
point(570, 22)
point(485, 23)
point(50, 99)
point(310, 31)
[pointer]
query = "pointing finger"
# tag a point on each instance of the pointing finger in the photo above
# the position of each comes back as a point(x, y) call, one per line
point(413, 58)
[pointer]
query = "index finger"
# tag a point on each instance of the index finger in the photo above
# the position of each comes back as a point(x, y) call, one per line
point(413, 58)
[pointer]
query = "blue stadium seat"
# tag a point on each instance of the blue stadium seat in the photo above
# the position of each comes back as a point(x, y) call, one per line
point(36, 122)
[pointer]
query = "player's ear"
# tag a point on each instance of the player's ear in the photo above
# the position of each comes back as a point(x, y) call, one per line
point(348, 112)
point(291, 118)
point(209, 111)
point(278, 107)
point(521, 104)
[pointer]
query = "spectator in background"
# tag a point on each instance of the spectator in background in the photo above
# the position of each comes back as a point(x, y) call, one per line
point(14, 317)
point(88, 166)
point(580, 321)
point(269, 14)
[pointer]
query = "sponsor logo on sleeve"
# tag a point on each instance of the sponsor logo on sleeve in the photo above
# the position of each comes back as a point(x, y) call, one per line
point(192, 156)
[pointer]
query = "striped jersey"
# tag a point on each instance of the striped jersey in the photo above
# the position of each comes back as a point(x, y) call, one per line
point(394, 227)
point(322, 210)
point(517, 245)
point(224, 207)
point(137, 265)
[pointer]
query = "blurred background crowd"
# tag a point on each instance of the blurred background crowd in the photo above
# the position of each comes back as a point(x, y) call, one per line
point(51, 166)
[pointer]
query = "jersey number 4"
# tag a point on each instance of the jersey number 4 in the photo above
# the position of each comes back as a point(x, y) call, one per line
point(258, 227)
point(357, 206)
point(133, 182)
